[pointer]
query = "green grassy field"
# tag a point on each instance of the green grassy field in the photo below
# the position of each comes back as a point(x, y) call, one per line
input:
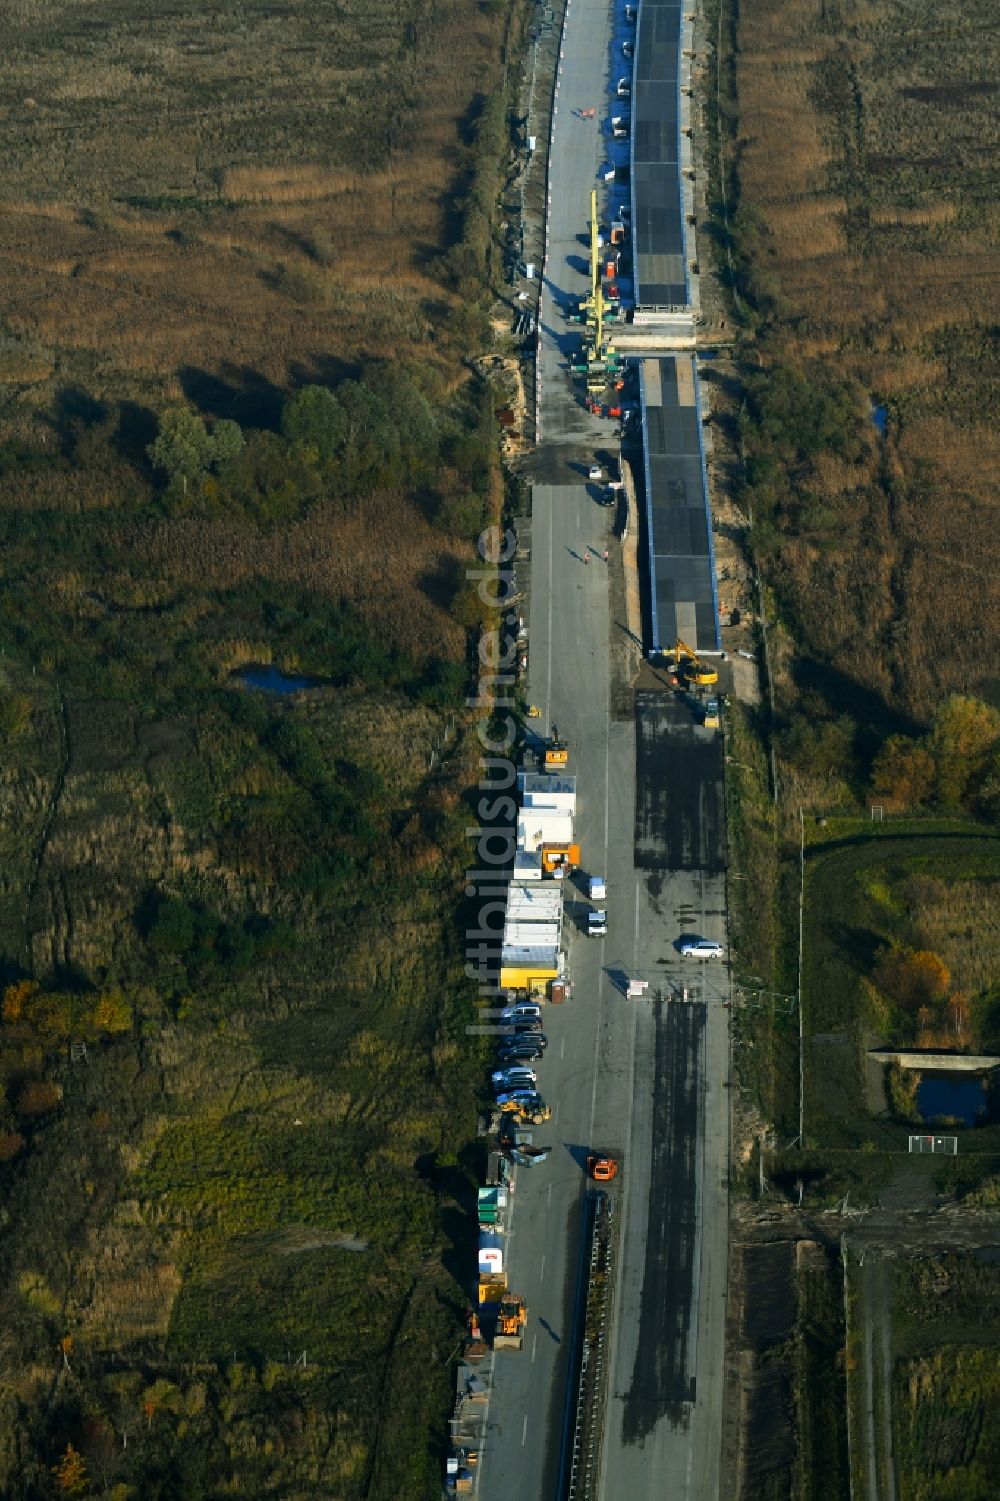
point(864, 892)
point(946, 1398)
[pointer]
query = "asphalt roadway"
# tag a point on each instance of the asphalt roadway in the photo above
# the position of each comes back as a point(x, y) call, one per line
point(643, 1079)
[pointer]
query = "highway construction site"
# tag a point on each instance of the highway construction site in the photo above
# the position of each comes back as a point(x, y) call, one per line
point(632, 1333)
point(594, 1359)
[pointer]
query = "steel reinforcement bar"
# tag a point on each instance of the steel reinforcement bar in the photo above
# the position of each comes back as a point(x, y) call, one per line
point(583, 1469)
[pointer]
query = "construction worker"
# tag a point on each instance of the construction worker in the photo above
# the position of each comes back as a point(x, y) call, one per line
point(605, 555)
point(586, 557)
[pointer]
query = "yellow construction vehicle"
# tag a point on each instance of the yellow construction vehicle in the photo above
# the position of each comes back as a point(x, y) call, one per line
point(533, 1115)
point(689, 665)
point(511, 1321)
point(555, 756)
point(522, 1113)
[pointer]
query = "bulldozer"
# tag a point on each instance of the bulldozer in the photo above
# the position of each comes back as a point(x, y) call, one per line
point(511, 1320)
point(690, 667)
point(555, 756)
point(602, 1169)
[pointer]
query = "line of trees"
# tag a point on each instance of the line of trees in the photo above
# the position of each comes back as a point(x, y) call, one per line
point(384, 431)
point(954, 767)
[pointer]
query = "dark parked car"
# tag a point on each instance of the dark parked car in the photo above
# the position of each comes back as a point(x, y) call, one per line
point(536, 1037)
point(522, 1048)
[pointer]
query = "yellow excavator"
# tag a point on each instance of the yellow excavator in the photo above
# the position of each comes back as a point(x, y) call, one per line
point(688, 665)
point(511, 1321)
point(555, 756)
point(525, 1113)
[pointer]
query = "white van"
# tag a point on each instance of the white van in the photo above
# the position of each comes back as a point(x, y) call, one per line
point(597, 889)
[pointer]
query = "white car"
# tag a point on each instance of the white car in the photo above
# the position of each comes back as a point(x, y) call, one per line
point(525, 1011)
point(597, 924)
point(595, 472)
point(702, 948)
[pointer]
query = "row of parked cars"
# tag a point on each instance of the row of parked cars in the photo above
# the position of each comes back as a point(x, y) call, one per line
point(514, 1081)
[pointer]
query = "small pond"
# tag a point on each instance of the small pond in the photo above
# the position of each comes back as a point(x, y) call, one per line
point(271, 679)
point(880, 417)
point(961, 1097)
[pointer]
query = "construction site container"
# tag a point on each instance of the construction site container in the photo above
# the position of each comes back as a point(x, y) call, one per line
point(490, 1254)
point(492, 1203)
point(528, 865)
point(554, 790)
point(538, 826)
point(497, 1171)
point(534, 903)
point(530, 969)
point(492, 1288)
point(531, 935)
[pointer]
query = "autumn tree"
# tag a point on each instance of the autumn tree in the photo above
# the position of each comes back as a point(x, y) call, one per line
point(54, 1015)
point(71, 1473)
point(36, 1097)
point(112, 1013)
point(964, 733)
point(11, 1143)
point(915, 978)
point(16, 997)
point(903, 772)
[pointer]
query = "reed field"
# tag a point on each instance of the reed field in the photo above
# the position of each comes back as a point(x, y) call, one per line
point(866, 142)
point(253, 195)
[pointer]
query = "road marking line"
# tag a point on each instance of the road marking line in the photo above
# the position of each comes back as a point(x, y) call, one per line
point(524, 1430)
point(562, 1048)
point(550, 1195)
point(548, 658)
point(541, 1274)
point(534, 1347)
point(635, 936)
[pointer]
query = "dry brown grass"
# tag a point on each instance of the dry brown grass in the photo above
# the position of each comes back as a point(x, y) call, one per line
point(961, 922)
point(870, 162)
point(139, 249)
point(362, 560)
